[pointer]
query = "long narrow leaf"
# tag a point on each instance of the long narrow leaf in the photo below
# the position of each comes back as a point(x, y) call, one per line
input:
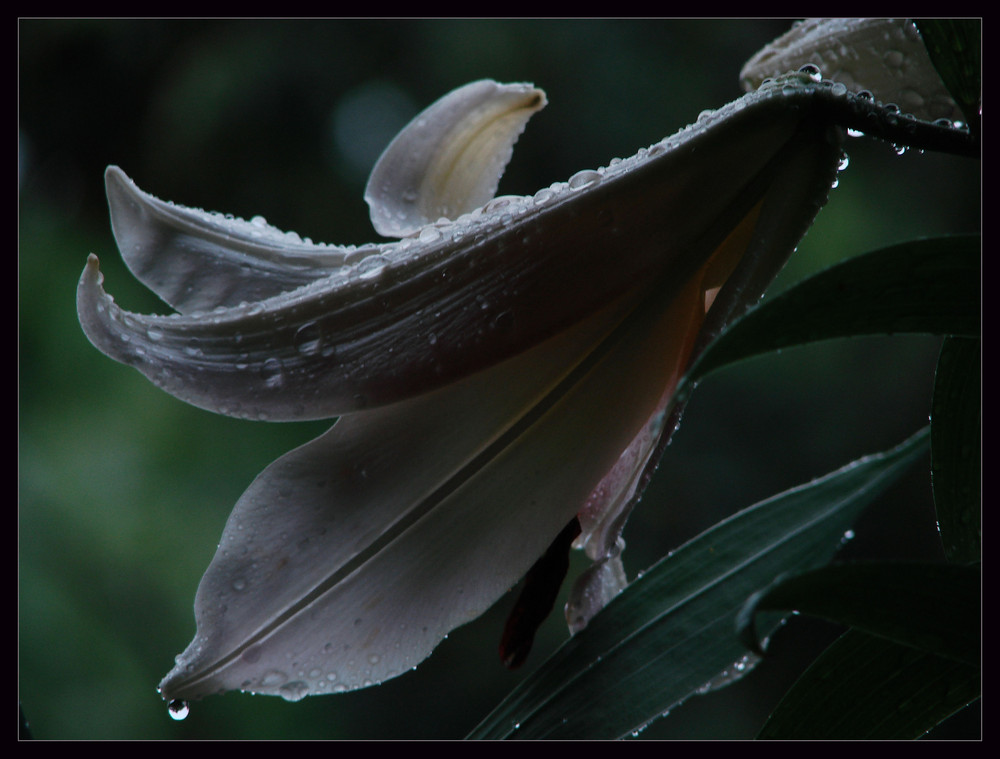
point(865, 687)
point(932, 607)
point(956, 446)
point(924, 286)
point(672, 632)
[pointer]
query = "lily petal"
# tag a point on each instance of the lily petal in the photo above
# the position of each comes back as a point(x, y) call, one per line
point(349, 559)
point(197, 261)
point(449, 159)
point(374, 539)
point(885, 56)
point(732, 279)
point(465, 296)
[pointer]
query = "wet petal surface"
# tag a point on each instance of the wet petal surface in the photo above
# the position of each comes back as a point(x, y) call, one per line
point(449, 159)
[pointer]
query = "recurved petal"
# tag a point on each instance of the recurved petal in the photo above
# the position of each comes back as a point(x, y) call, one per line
point(463, 297)
point(350, 558)
point(885, 56)
point(196, 260)
point(449, 159)
point(376, 539)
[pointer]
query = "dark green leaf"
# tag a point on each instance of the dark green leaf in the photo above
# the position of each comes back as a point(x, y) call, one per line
point(925, 286)
point(867, 687)
point(956, 448)
point(933, 607)
point(955, 48)
point(671, 632)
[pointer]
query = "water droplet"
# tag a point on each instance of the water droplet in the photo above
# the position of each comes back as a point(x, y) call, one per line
point(372, 266)
point(272, 678)
point(893, 58)
point(812, 71)
point(294, 691)
point(429, 234)
point(373, 659)
point(239, 584)
point(178, 710)
point(308, 339)
point(259, 221)
point(543, 196)
point(583, 179)
point(272, 373)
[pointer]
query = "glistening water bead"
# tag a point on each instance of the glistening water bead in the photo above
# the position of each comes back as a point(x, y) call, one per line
point(178, 710)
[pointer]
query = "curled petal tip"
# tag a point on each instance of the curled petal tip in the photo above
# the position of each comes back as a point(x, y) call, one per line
point(449, 159)
point(92, 271)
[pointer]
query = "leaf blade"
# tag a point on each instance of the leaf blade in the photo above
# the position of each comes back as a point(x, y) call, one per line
point(931, 607)
point(869, 688)
point(923, 286)
point(630, 664)
point(956, 448)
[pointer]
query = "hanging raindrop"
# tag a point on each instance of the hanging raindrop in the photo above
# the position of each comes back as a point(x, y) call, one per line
point(178, 710)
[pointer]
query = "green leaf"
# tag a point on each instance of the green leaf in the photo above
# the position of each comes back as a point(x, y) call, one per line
point(955, 49)
point(868, 687)
point(956, 429)
point(924, 286)
point(671, 632)
point(932, 607)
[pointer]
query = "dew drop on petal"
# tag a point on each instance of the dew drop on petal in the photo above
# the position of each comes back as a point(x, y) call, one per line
point(583, 179)
point(372, 266)
point(273, 677)
point(294, 691)
point(272, 373)
point(429, 234)
point(812, 71)
point(308, 339)
point(543, 196)
point(178, 710)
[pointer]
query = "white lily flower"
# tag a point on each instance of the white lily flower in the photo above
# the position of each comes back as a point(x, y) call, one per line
point(506, 367)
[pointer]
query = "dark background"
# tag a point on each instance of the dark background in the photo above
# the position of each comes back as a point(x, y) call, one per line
point(123, 490)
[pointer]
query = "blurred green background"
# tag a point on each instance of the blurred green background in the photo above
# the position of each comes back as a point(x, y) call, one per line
point(124, 491)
